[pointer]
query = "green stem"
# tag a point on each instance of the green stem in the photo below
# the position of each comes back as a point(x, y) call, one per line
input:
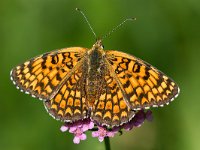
point(107, 143)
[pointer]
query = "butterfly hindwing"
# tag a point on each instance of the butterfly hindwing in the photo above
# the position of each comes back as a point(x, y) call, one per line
point(143, 84)
point(110, 108)
point(69, 104)
point(42, 75)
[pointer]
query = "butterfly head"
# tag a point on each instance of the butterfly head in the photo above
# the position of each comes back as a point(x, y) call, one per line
point(98, 45)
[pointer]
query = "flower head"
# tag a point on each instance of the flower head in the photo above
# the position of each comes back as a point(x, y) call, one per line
point(79, 128)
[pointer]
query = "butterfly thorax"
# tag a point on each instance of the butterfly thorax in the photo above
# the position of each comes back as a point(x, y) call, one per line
point(94, 73)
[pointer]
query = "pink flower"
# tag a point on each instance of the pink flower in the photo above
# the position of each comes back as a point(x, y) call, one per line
point(138, 119)
point(78, 135)
point(102, 133)
point(78, 128)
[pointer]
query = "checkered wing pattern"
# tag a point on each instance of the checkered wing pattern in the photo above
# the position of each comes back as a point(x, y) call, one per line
point(69, 104)
point(110, 108)
point(43, 76)
point(142, 85)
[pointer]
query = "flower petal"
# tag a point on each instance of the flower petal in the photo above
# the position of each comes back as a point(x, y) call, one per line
point(91, 125)
point(72, 129)
point(95, 134)
point(149, 115)
point(83, 136)
point(101, 138)
point(128, 126)
point(111, 134)
point(64, 128)
point(76, 140)
point(85, 127)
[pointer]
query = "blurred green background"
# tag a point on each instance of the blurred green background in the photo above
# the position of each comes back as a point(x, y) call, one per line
point(166, 34)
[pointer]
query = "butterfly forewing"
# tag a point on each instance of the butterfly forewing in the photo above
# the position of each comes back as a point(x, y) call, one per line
point(42, 76)
point(144, 85)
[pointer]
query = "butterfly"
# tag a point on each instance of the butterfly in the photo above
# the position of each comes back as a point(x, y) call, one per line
point(106, 86)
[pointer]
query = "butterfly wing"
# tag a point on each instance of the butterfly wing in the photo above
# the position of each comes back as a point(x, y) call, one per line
point(43, 76)
point(69, 104)
point(110, 108)
point(142, 84)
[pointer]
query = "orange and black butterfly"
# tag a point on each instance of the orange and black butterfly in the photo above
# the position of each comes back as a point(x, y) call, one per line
point(106, 86)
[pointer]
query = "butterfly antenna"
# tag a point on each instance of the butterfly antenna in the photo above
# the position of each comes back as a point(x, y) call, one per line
point(87, 22)
point(117, 27)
